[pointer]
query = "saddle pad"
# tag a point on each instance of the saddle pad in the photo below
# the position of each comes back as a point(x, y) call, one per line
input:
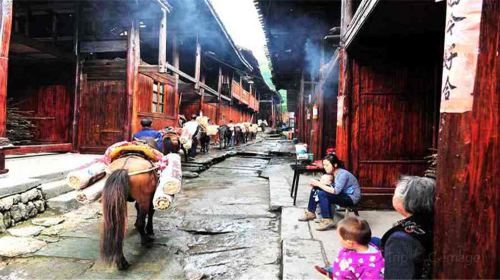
point(121, 148)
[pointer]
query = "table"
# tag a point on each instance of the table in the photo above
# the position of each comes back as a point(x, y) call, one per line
point(300, 168)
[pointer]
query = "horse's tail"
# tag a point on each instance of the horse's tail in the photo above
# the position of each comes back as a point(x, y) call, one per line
point(114, 204)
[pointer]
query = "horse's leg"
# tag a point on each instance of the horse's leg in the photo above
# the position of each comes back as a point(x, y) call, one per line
point(149, 226)
point(140, 223)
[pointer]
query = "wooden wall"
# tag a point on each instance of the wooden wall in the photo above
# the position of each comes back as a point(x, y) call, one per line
point(189, 108)
point(210, 110)
point(52, 113)
point(47, 94)
point(102, 114)
point(143, 102)
point(103, 105)
point(467, 217)
point(389, 113)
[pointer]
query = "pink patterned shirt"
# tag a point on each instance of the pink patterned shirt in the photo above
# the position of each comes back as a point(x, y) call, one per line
point(350, 264)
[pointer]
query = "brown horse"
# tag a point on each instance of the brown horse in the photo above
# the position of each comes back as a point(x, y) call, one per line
point(121, 187)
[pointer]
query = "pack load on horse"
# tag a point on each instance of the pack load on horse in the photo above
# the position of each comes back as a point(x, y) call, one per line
point(254, 128)
point(171, 140)
point(134, 177)
point(203, 135)
point(189, 130)
point(137, 172)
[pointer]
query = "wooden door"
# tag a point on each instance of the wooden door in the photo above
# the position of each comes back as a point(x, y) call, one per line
point(102, 115)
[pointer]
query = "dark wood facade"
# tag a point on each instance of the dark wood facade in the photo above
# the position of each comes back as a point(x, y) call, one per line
point(89, 71)
point(393, 109)
point(467, 235)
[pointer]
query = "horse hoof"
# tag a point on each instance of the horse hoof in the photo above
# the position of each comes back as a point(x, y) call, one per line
point(123, 265)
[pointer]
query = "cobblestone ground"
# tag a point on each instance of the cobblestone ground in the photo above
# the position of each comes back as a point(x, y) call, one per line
point(219, 228)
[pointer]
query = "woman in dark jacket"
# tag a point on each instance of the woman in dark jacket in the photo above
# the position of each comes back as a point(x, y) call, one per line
point(407, 247)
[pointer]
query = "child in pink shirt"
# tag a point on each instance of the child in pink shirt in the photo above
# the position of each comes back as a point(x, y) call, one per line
point(358, 258)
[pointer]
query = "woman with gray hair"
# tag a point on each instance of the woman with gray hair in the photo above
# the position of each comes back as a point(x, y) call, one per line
point(407, 247)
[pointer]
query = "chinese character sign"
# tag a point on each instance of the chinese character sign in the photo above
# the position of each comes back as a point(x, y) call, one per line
point(461, 49)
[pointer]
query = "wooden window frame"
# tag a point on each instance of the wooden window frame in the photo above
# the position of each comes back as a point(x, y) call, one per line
point(158, 98)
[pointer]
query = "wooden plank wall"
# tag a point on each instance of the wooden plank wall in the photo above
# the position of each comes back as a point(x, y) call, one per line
point(102, 114)
point(466, 233)
point(392, 120)
point(210, 110)
point(143, 102)
point(389, 104)
point(190, 108)
point(52, 114)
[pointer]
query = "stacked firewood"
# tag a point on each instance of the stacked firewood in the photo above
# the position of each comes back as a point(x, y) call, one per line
point(431, 170)
point(19, 126)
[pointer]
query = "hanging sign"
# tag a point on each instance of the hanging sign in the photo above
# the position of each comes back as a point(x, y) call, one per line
point(308, 114)
point(461, 49)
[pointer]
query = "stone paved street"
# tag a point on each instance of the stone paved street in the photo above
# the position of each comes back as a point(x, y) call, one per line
point(235, 220)
point(220, 228)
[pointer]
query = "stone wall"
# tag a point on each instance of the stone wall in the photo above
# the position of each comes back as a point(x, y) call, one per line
point(20, 207)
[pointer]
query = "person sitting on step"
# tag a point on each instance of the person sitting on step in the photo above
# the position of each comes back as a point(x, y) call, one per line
point(344, 191)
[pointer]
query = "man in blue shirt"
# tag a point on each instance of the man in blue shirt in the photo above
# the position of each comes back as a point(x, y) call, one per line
point(148, 133)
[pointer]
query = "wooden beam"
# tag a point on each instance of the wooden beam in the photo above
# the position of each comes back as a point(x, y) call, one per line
point(35, 149)
point(103, 46)
point(41, 46)
point(162, 49)
point(358, 20)
point(133, 60)
point(197, 69)
point(175, 61)
point(202, 93)
point(5, 29)
point(76, 88)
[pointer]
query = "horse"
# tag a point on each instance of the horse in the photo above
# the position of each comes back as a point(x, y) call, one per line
point(238, 135)
point(119, 188)
point(171, 142)
point(204, 141)
point(224, 136)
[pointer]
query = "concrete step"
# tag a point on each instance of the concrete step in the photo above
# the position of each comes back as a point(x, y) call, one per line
point(64, 203)
point(299, 258)
point(55, 188)
point(279, 192)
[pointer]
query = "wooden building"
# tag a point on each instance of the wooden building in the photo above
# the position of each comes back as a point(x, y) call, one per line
point(415, 78)
point(304, 64)
point(88, 71)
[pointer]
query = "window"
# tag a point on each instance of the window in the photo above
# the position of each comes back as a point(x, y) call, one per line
point(158, 97)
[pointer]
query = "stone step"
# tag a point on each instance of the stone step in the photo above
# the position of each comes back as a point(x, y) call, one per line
point(279, 192)
point(64, 203)
point(299, 258)
point(56, 188)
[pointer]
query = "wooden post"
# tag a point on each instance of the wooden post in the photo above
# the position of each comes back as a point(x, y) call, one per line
point(197, 69)
point(219, 90)
point(202, 97)
point(133, 59)
point(344, 133)
point(467, 213)
point(162, 48)
point(76, 89)
point(5, 29)
point(175, 62)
